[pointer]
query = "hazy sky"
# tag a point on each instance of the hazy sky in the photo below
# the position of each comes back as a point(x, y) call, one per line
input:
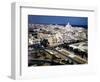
point(40, 19)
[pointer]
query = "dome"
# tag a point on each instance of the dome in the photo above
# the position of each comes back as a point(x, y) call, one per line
point(68, 25)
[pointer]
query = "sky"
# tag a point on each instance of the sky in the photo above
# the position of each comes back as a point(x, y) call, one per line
point(43, 19)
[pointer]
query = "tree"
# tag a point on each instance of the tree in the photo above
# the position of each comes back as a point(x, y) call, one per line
point(45, 42)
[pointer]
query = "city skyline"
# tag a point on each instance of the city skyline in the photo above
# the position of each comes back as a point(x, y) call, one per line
point(60, 20)
point(57, 40)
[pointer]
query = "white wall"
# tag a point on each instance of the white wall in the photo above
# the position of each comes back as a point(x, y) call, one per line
point(5, 36)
